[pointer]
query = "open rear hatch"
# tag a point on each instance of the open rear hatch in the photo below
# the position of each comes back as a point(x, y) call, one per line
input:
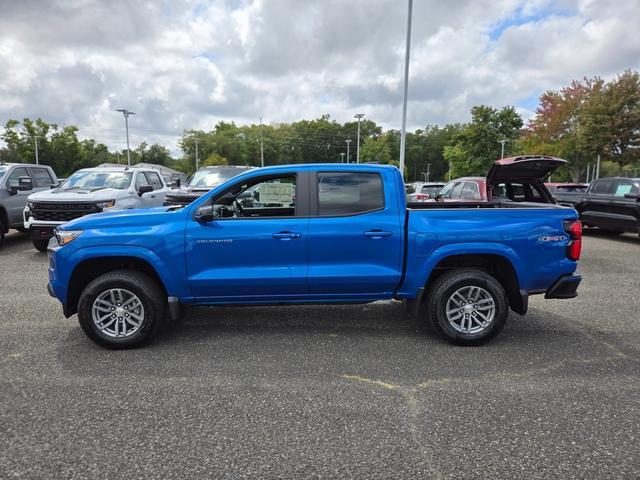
point(523, 169)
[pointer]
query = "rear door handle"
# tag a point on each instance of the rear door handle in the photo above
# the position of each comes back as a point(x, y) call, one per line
point(286, 235)
point(377, 233)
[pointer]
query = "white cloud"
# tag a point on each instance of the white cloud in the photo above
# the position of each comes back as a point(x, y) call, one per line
point(189, 65)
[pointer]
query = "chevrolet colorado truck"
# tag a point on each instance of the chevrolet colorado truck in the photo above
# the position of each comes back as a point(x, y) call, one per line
point(323, 233)
point(91, 190)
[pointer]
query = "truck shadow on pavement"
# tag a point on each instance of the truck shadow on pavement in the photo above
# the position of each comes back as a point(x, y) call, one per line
point(379, 341)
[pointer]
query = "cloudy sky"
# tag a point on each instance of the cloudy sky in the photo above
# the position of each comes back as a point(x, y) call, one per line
point(183, 65)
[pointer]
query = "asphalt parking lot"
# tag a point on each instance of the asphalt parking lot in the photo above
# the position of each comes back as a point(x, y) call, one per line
point(326, 392)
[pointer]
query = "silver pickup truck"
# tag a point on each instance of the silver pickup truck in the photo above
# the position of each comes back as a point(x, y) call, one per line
point(17, 182)
point(92, 190)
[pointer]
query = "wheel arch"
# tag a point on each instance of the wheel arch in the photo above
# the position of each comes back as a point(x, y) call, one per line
point(91, 268)
point(498, 266)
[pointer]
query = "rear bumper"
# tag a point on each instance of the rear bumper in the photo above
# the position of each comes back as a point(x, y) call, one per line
point(565, 287)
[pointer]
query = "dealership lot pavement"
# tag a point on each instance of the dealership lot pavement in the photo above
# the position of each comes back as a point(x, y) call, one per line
point(331, 392)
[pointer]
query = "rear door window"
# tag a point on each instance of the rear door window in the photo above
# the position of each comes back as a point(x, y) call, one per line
point(41, 177)
point(622, 187)
point(349, 193)
point(470, 191)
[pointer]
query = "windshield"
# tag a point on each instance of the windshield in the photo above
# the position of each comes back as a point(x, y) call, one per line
point(212, 177)
point(97, 179)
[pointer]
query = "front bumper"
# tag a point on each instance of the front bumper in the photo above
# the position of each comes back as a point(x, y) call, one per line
point(565, 287)
point(40, 229)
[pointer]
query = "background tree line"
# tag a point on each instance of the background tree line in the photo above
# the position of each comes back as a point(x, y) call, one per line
point(579, 122)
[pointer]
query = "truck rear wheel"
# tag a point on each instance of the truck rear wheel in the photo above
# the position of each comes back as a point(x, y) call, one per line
point(467, 307)
point(40, 244)
point(121, 309)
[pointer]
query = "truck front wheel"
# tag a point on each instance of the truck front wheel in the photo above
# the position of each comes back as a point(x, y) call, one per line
point(40, 244)
point(121, 309)
point(467, 307)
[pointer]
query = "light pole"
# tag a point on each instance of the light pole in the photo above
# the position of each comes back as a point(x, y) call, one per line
point(502, 142)
point(348, 140)
point(35, 139)
point(261, 146)
point(403, 132)
point(126, 114)
point(342, 157)
point(197, 156)
point(359, 117)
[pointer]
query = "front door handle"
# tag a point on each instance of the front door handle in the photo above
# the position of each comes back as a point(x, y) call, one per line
point(286, 235)
point(377, 233)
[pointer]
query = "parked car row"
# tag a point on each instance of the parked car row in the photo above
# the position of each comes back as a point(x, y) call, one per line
point(33, 199)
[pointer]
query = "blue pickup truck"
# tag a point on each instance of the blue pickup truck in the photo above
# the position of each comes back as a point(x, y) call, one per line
point(322, 233)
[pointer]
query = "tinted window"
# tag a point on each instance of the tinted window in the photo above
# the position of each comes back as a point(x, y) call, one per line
point(446, 190)
point(141, 180)
point(601, 188)
point(41, 177)
point(470, 191)
point(154, 180)
point(571, 189)
point(14, 177)
point(457, 190)
point(349, 193)
point(623, 187)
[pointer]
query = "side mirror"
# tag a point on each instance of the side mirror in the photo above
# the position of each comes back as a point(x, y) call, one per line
point(174, 184)
point(204, 213)
point(56, 184)
point(142, 189)
point(25, 183)
point(634, 196)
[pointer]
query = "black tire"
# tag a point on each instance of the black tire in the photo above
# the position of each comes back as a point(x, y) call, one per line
point(445, 286)
point(144, 287)
point(1, 235)
point(40, 244)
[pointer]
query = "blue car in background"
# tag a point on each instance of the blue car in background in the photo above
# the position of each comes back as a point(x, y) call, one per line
point(323, 233)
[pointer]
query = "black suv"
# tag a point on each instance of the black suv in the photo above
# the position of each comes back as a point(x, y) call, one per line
point(612, 204)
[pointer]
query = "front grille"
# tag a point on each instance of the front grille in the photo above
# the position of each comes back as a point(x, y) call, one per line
point(62, 212)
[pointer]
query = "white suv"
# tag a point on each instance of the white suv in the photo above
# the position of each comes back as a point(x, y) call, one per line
point(91, 190)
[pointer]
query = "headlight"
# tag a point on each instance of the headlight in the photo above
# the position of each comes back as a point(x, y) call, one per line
point(107, 204)
point(30, 205)
point(67, 236)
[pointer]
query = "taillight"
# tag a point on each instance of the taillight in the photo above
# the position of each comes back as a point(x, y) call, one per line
point(574, 229)
point(423, 196)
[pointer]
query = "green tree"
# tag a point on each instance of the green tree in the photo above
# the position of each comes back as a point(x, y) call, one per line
point(477, 143)
point(611, 120)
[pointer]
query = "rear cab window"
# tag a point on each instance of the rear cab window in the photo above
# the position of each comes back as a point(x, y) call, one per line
point(349, 193)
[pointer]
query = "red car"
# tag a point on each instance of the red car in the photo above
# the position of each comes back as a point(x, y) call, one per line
point(515, 179)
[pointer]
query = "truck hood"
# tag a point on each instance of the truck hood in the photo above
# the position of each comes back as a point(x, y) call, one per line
point(191, 191)
point(526, 168)
point(77, 195)
point(120, 218)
